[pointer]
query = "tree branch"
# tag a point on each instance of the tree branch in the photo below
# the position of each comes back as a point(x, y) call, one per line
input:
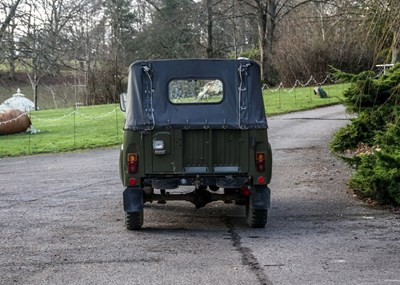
point(8, 19)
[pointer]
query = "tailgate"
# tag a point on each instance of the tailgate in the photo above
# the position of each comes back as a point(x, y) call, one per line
point(198, 151)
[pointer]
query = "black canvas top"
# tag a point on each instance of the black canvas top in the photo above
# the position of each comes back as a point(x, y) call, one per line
point(149, 106)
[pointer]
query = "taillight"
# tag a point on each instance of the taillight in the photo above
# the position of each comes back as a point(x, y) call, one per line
point(245, 191)
point(133, 163)
point(261, 180)
point(260, 161)
point(132, 181)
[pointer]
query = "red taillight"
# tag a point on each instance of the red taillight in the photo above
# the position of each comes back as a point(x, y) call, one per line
point(260, 161)
point(132, 181)
point(133, 163)
point(261, 180)
point(245, 191)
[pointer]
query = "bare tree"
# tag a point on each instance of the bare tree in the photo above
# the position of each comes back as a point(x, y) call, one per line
point(99, 38)
point(172, 32)
point(121, 20)
point(269, 13)
point(387, 14)
point(229, 28)
point(317, 36)
point(44, 44)
point(395, 47)
point(9, 48)
point(8, 19)
point(7, 31)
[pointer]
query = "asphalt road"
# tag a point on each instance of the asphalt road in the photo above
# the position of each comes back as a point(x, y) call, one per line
point(61, 222)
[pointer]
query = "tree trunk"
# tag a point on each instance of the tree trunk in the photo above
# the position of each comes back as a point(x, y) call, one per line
point(395, 48)
point(261, 25)
point(11, 66)
point(269, 40)
point(12, 54)
point(266, 30)
point(34, 79)
point(209, 49)
point(395, 55)
point(35, 95)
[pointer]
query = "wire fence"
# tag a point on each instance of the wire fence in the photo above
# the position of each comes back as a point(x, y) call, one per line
point(66, 129)
point(312, 81)
point(82, 127)
point(300, 96)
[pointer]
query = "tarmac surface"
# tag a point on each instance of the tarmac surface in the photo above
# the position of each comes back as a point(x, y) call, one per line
point(61, 222)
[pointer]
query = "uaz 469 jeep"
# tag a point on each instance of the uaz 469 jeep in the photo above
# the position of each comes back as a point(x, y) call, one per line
point(198, 123)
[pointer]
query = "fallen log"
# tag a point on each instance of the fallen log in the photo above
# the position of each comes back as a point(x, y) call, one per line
point(13, 121)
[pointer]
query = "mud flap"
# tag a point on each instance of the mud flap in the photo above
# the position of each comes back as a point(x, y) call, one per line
point(260, 198)
point(133, 199)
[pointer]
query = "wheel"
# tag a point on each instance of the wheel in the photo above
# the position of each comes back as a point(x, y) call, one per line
point(213, 188)
point(134, 220)
point(256, 218)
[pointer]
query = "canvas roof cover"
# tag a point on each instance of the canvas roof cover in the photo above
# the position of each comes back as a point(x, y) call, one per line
point(149, 106)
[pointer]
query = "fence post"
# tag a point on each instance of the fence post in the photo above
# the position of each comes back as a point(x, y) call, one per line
point(75, 126)
point(280, 103)
point(116, 120)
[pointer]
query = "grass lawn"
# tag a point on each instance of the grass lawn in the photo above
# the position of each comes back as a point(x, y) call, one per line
point(278, 101)
point(68, 129)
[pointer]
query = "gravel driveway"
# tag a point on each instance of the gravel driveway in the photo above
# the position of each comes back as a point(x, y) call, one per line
point(61, 222)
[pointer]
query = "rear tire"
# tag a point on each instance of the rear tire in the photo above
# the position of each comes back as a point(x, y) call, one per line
point(256, 218)
point(134, 220)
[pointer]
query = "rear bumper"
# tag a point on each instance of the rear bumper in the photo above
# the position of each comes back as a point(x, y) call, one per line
point(134, 198)
point(198, 181)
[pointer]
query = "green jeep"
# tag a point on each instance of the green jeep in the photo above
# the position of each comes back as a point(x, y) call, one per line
point(199, 123)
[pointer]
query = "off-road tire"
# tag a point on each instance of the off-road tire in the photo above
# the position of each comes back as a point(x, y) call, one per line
point(256, 218)
point(134, 220)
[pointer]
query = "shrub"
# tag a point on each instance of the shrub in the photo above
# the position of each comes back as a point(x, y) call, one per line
point(377, 125)
point(378, 176)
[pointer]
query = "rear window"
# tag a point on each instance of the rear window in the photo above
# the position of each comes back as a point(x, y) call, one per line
point(195, 91)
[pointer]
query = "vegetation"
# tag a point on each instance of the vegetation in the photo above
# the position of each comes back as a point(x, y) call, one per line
point(373, 137)
point(67, 129)
point(278, 101)
point(65, 53)
point(90, 43)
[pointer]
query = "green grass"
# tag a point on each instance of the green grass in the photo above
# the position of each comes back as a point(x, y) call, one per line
point(67, 129)
point(302, 98)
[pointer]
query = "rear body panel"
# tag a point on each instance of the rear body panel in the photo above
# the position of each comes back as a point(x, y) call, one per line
point(212, 152)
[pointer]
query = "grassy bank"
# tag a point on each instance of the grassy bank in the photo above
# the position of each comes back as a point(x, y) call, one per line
point(68, 129)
